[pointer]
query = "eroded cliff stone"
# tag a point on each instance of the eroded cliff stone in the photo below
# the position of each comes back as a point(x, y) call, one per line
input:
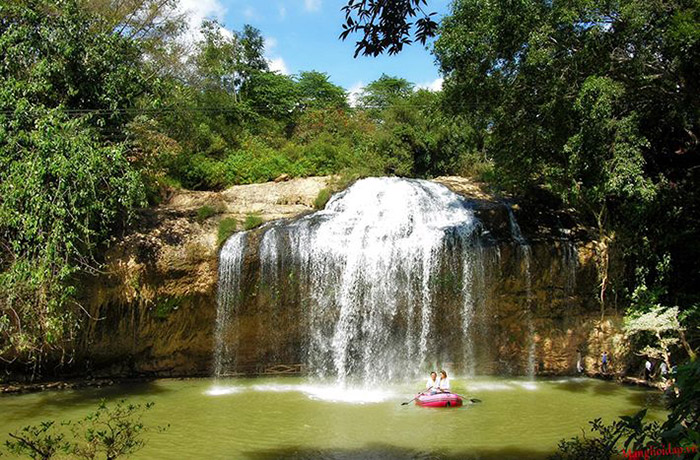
point(154, 308)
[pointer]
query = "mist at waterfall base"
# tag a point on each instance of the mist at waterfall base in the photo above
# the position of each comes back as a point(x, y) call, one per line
point(387, 282)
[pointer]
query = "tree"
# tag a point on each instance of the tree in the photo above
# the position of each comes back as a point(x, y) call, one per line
point(225, 60)
point(63, 193)
point(253, 51)
point(52, 56)
point(273, 95)
point(317, 92)
point(530, 68)
point(386, 25)
point(595, 101)
point(217, 60)
point(65, 89)
point(384, 91)
point(418, 138)
point(665, 329)
point(157, 25)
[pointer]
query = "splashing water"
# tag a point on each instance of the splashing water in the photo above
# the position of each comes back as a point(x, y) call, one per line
point(228, 296)
point(372, 282)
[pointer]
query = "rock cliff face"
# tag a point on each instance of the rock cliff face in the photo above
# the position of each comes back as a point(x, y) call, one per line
point(154, 309)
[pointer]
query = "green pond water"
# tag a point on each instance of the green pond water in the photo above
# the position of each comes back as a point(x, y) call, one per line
point(285, 418)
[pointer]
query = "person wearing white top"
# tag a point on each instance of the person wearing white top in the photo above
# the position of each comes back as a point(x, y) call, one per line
point(444, 385)
point(432, 383)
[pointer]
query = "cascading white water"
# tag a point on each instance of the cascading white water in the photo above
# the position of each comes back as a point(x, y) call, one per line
point(228, 296)
point(526, 255)
point(372, 257)
point(392, 278)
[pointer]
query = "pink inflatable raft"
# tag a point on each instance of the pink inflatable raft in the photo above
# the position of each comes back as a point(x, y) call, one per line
point(439, 400)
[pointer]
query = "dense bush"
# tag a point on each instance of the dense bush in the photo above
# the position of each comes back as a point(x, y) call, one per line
point(110, 432)
point(63, 194)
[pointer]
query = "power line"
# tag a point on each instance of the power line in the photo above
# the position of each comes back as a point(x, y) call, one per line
point(135, 110)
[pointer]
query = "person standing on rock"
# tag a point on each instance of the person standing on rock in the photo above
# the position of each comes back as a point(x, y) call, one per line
point(604, 363)
point(579, 362)
point(648, 367)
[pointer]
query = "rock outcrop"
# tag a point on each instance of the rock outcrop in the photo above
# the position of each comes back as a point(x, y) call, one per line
point(154, 309)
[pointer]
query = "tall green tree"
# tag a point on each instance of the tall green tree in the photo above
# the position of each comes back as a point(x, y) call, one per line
point(157, 25)
point(318, 92)
point(596, 101)
point(384, 91)
point(66, 182)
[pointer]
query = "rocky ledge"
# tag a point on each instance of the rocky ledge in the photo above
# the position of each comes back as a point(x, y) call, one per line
point(153, 309)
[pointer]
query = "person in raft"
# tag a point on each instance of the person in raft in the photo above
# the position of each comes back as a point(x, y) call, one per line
point(431, 385)
point(444, 385)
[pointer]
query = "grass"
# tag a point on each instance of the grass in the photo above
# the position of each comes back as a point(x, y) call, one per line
point(252, 221)
point(206, 211)
point(226, 228)
point(322, 198)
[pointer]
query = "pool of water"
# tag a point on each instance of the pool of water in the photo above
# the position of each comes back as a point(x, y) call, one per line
point(296, 418)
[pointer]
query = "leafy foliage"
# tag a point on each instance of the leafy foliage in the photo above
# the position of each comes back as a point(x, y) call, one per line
point(63, 193)
point(227, 227)
point(384, 91)
point(634, 433)
point(317, 92)
point(595, 102)
point(64, 188)
point(385, 24)
point(663, 331)
point(683, 424)
point(109, 433)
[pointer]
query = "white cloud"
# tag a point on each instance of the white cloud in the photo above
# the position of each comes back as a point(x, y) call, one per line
point(270, 43)
point(278, 65)
point(312, 5)
point(435, 85)
point(282, 11)
point(197, 10)
point(354, 93)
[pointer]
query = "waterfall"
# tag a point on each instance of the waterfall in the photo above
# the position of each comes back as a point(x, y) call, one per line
point(526, 256)
point(228, 297)
point(392, 279)
point(374, 256)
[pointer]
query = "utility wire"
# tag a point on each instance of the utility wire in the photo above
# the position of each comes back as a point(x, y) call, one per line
point(135, 110)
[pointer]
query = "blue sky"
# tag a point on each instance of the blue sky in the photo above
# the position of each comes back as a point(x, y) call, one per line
point(303, 35)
